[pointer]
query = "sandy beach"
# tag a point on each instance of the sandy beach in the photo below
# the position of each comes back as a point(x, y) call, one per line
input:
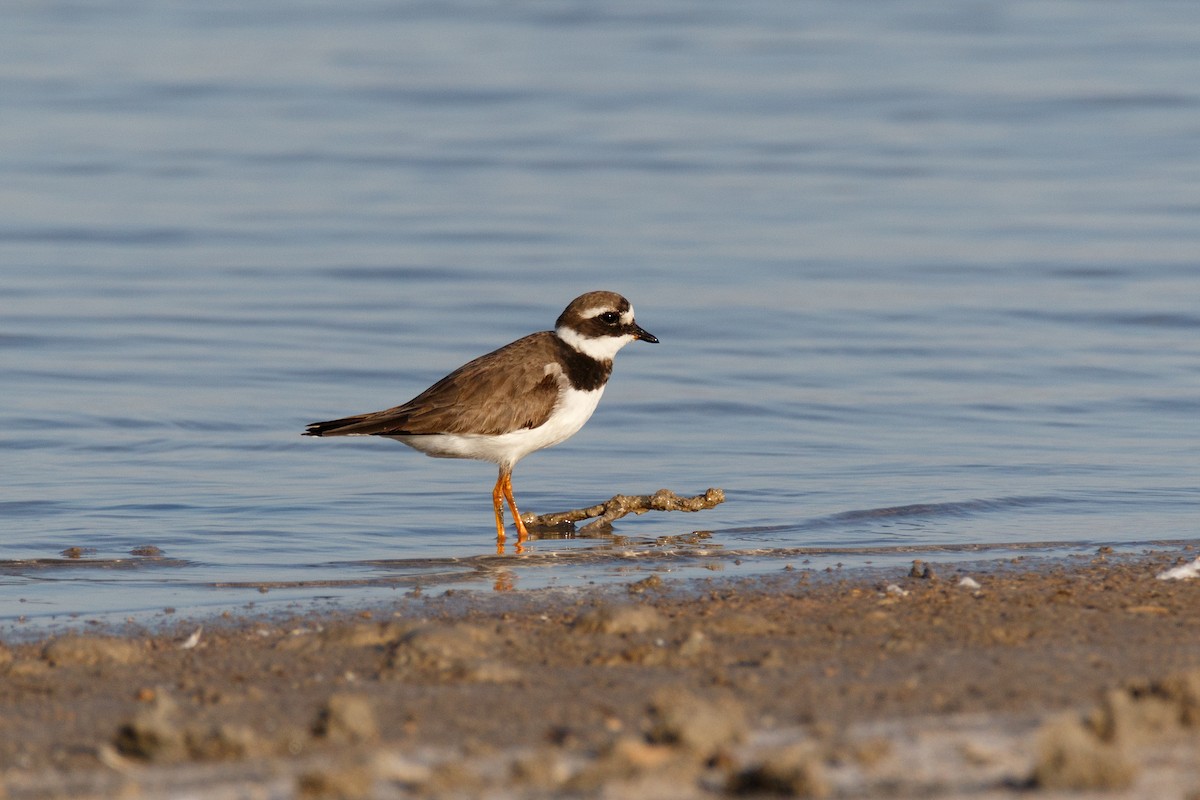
point(1044, 677)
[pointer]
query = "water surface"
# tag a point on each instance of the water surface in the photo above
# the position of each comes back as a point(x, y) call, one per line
point(925, 279)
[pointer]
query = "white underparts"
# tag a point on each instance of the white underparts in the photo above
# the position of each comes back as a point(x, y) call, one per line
point(573, 410)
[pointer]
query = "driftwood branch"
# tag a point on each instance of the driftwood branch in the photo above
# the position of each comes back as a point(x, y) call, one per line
point(621, 505)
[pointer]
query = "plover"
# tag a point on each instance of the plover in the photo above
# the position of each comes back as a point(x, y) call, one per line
point(526, 396)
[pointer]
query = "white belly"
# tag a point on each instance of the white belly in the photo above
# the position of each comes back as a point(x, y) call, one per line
point(574, 408)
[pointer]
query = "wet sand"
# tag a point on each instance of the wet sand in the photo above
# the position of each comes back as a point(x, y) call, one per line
point(1045, 677)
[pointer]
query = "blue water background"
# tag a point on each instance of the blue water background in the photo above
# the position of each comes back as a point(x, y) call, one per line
point(926, 275)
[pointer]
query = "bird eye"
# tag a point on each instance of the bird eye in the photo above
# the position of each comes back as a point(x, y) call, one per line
point(610, 318)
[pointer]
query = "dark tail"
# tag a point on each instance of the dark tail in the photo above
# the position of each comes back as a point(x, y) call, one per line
point(334, 427)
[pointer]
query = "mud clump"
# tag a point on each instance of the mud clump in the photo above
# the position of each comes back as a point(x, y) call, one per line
point(159, 732)
point(361, 775)
point(347, 782)
point(543, 769)
point(1071, 756)
point(683, 733)
point(347, 718)
point(795, 771)
point(639, 768)
point(651, 583)
point(922, 570)
point(155, 733)
point(620, 619)
point(737, 623)
point(1093, 753)
point(379, 634)
point(229, 742)
point(340, 637)
point(449, 652)
point(440, 648)
point(89, 651)
point(1145, 710)
point(696, 724)
point(1129, 717)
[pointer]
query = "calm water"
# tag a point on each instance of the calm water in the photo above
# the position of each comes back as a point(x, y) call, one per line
point(926, 275)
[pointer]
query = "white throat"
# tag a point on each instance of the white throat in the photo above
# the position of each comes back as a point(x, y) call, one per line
point(602, 349)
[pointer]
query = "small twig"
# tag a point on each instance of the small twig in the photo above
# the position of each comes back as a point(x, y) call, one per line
point(621, 505)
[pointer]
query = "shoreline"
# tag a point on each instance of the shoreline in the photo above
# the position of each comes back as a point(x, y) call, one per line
point(681, 560)
point(901, 682)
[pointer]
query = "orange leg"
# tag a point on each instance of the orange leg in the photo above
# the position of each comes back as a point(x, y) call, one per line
point(498, 505)
point(506, 479)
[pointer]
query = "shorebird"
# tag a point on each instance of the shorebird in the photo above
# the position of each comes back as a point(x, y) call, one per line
point(526, 396)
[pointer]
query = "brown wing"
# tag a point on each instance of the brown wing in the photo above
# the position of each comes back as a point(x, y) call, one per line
point(504, 390)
